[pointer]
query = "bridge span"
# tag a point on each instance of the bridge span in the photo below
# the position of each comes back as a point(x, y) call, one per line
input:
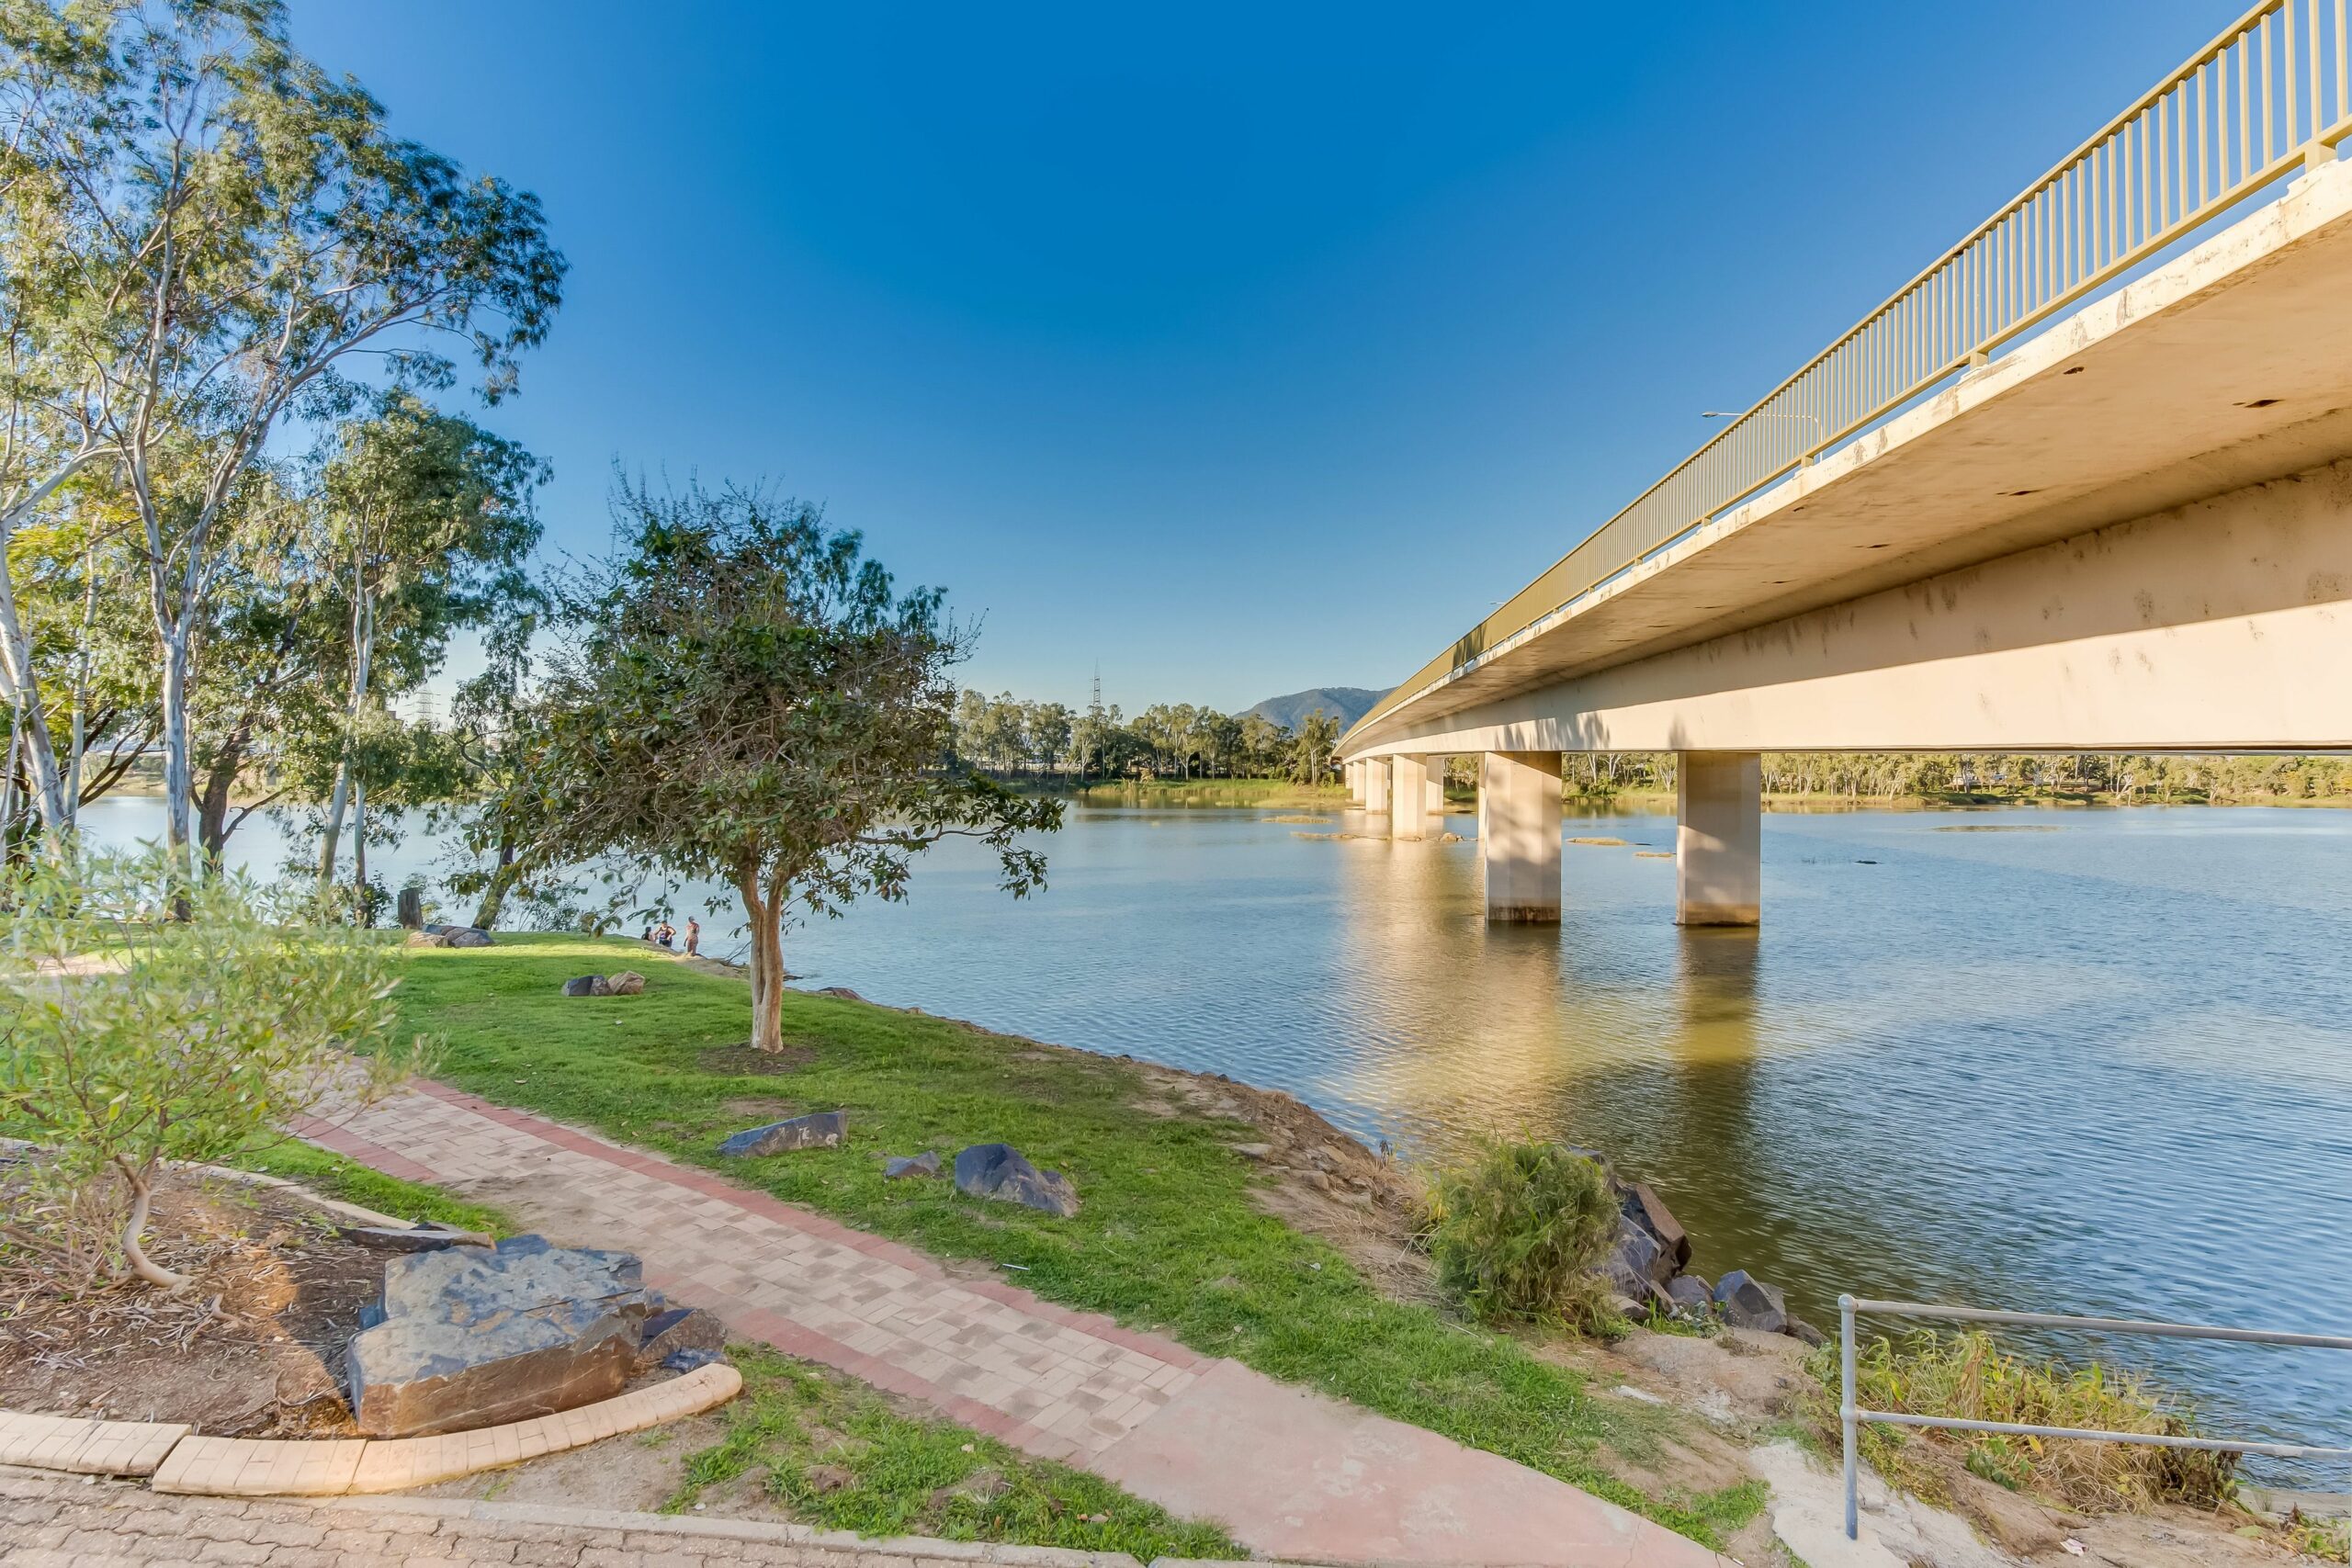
point(2085, 484)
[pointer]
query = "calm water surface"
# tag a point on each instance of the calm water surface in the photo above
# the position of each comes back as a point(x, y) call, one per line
point(2087, 1061)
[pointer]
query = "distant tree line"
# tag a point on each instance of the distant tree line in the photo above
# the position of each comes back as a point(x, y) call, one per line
point(1005, 735)
point(1898, 775)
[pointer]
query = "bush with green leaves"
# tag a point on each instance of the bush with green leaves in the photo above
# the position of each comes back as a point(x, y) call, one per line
point(146, 1016)
point(1517, 1229)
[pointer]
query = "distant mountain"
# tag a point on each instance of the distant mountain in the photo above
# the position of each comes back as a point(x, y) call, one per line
point(1346, 704)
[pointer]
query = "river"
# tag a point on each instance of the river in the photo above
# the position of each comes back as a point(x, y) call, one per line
point(2094, 1061)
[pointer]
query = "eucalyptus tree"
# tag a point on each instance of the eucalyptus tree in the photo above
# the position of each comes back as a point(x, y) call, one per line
point(1311, 752)
point(203, 230)
point(425, 525)
point(743, 696)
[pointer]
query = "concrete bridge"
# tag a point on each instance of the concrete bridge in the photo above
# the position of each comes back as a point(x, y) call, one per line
point(2085, 484)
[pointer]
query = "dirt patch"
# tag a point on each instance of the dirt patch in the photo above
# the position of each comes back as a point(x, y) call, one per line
point(636, 1473)
point(743, 1062)
point(253, 1349)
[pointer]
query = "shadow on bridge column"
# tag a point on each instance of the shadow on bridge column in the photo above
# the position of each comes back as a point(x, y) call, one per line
point(1519, 836)
point(1718, 850)
point(1408, 797)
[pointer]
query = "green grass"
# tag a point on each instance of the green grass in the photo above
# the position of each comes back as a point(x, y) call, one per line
point(1168, 1238)
point(837, 1455)
point(333, 1175)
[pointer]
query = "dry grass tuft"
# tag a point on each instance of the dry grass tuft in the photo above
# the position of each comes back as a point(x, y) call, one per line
point(1967, 1376)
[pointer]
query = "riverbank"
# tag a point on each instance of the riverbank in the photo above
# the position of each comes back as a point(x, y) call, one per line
point(1180, 1232)
point(1234, 1219)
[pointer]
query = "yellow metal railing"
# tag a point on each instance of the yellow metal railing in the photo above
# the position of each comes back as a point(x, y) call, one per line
point(2272, 93)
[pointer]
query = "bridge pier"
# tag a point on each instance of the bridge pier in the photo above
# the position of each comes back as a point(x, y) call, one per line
point(1375, 784)
point(1718, 848)
point(1519, 836)
point(1355, 781)
point(1437, 785)
point(1408, 795)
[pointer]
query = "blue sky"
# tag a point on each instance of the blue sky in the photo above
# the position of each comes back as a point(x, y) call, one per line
point(1237, 348)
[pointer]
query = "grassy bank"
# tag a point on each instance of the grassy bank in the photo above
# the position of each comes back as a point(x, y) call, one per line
point(1210, 792)
point(1168, 1239)
point(333, 1176)
point(840, 1457)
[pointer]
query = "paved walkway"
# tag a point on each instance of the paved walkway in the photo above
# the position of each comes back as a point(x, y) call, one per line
point(1289, 1473)
point(47, 1521)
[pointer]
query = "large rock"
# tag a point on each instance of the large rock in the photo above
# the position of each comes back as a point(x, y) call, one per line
point(824, 1129)
point(1691, 1295)
point(467, 936)
point(1648, 1210)
point(999, 1171)
point(1747, 1302)
point(473, 1336)
point(676, 1331)
point(1637, 1265)
point(898, 1168)
point(587, 986)
point(627, 983)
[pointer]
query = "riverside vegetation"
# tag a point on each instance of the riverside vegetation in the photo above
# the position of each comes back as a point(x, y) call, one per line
point(1171, 1238)
point(1178, 1235)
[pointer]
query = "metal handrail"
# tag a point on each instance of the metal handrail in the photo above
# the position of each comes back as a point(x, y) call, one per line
point(1850, 1415)
point(2272, 92)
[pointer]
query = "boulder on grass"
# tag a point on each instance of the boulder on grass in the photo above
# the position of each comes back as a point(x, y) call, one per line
point(1747, 1302)
point(585, 986)
point(467, 936)
point(1000, 1172)
point(823, 1130)
point(428, 939)
point(897, 1168)
point(628, 983)
point(472, 1337)
point(677, 1330)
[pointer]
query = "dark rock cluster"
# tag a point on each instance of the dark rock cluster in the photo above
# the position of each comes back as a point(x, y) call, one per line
point(1647, 1273)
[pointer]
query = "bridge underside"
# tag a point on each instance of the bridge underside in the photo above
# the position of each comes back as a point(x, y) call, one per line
point(2222, 626)
point(2132, 533)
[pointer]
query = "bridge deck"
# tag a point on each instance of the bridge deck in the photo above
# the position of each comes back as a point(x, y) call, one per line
point(2230, 365)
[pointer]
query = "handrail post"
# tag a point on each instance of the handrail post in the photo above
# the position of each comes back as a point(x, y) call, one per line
point(1846, 1404)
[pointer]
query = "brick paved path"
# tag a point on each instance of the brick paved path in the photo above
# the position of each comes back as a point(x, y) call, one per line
point(49, 1522)
point(1289, 1473)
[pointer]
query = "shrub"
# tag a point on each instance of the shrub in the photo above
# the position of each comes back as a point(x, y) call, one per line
point(129, 1037)
point(1516, 1230)
point(1966, 1375)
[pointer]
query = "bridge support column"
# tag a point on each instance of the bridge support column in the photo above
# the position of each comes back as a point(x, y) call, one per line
point(1408, 794)
point(1519, 835)
point(1718, 859)
point(1375, 784)
point(1353, 773)
point(1437, 785)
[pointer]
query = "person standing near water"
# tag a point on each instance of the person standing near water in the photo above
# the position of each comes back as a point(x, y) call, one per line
point(694, 937)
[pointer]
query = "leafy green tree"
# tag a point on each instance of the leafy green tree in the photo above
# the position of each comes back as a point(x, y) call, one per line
point(1048, 728)
point(425, 526)
point(743, 696)
point(1310, 753)
point(127, 1038)
point(202, 227)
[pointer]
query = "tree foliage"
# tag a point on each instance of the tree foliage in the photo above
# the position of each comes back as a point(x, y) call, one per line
point(202, 227)
point(129, 1037)
point(743, 696)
